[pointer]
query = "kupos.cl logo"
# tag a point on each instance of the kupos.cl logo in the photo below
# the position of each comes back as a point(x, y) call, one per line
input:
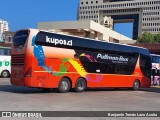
point(58, 41)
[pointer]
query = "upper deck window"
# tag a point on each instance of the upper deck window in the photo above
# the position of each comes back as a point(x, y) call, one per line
point(20, 38)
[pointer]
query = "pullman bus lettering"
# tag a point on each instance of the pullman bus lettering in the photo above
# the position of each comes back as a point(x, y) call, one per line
point(58, 41)
point(107, 57)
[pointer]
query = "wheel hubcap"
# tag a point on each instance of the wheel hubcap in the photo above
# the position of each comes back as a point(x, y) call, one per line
point(80, 85)
point(64, 85)
point(136, 85)
point(5, 74)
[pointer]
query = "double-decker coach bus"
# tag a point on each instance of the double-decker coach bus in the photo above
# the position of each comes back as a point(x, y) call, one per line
point(47, 60)
point(155, 76)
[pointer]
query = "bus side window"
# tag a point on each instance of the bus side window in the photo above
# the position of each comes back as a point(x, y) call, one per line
point(1, 51)
point(103, 67)
point(90, 67)
point(111, 69)
point(7, 52)
point(95, 67)
point(158, 60)
point(145, 65)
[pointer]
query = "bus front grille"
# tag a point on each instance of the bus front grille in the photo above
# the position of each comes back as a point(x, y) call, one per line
point(17, 60)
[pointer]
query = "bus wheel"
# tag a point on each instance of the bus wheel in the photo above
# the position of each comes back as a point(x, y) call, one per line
point(158, 82)
point(64, 85)
point(5, 74)
point(80, 85)
point(136, 85)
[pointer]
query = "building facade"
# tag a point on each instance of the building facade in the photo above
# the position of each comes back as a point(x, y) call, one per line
point(87, 29)
point(145, 14)
point(3, 26)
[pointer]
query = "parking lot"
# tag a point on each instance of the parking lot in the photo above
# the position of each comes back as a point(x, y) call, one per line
point(13, 98)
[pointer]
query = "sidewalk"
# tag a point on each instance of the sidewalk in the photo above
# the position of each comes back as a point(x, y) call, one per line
point(155, 86)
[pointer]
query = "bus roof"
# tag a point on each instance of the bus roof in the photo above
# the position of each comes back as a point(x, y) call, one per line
point(99, 44)
point(104, 45)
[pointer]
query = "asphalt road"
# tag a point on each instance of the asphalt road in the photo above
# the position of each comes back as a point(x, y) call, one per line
point(13, 98)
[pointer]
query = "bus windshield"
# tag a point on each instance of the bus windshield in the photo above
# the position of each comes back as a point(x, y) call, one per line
point(155, 59)
point(20, 38)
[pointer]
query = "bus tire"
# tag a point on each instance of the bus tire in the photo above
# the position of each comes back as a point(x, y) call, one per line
point(136, 85)
point(5, 74)
point(80, 85)
point(158, 82)
point(64, 85)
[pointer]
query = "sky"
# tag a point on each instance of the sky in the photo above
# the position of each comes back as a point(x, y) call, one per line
point(124, 28)
point(22, 14)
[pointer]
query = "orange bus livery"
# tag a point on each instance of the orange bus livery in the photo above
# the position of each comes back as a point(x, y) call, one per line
point(45, 60)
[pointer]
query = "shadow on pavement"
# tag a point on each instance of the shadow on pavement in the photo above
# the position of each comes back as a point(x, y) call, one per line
point(21, 90)
point(26, 90)
point(155, 89)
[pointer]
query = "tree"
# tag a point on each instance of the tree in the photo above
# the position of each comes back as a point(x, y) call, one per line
point(149, 38)
point(157, 38)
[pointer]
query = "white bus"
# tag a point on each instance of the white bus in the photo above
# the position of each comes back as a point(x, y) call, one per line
point(5, 62)
point(155, 78)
